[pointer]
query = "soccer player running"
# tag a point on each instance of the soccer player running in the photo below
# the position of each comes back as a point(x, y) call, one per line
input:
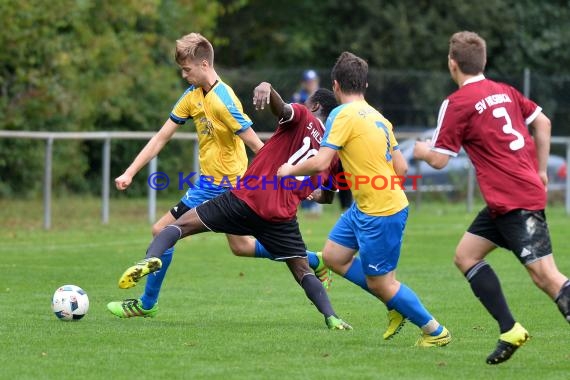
point(374, 224)
point(261, 205)
point(489, 120)
point(222, 129)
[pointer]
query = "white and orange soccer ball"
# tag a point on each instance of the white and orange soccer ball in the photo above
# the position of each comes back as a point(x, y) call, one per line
point(70, 303)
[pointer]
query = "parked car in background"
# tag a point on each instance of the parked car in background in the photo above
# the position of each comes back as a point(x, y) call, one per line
point(454, 176)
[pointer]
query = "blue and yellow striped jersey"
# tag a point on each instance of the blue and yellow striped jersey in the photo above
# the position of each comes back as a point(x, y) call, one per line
point(219, 118)
point(365, 142)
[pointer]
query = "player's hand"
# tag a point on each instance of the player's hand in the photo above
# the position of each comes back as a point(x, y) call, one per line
point(421, 149)
point(123, 181)
point(315, 195)
point(261, 95)
point(544, 178)
point(284, 170)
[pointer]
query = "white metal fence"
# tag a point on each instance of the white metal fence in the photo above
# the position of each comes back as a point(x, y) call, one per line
point(107, 137)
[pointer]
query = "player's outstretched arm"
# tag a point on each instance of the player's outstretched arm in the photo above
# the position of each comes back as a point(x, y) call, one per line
point(151, 149)
point(399, 162)
point(423, 151)
point(264, 94)
point(541, 128)
point(251, 139)
point(318, 163)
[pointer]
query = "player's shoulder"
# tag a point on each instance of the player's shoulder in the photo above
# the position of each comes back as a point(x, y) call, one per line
point(221, 88)
point(338, 112)
point(226, 95)
point(188, 92)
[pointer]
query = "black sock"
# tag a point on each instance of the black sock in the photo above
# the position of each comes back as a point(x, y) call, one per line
point(486, 286)
point(317, 294)
point(164, 240)
point(563, 300)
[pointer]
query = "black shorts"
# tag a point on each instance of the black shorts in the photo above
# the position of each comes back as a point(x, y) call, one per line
point(179, 210)
point(228, 214)
point(523, 232)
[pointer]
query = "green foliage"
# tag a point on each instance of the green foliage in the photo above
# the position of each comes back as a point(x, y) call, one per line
point(85, 65)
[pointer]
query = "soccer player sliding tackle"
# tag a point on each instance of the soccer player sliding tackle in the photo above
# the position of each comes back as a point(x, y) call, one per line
point(262, 205)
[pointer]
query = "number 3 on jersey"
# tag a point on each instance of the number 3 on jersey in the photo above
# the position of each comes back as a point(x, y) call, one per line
point(501, 112)
point(302, 155)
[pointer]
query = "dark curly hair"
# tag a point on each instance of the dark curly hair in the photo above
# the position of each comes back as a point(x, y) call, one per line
point(326, 99)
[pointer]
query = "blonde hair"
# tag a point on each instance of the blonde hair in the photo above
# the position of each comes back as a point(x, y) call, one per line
point(469, 50)
point(194, 47)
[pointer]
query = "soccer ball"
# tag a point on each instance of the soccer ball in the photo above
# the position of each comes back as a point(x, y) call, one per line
point(70, 303)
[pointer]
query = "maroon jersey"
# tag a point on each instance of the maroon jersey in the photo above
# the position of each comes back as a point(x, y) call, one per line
point(489, 120)
point(295, 140)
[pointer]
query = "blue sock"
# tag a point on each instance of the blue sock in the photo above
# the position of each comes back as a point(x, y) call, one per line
point(407, 303)
point(355, 274)
point(261, 252)
point(313, 259)
point(154, 281)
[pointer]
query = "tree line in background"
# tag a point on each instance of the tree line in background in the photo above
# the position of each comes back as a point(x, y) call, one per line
point(88, 65)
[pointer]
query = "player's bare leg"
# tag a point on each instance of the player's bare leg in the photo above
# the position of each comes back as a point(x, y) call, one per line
point(548, 278)
point(247, 246)
point(242, 246)
point(469, 258)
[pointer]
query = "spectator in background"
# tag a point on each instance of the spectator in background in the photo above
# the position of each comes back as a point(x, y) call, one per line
point(309, 85)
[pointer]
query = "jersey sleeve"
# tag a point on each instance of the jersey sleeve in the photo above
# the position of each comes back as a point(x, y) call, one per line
point(299, 112)
point(230, 113)
point(447, 137)
point(392, 137)
point(181, 110)
point(337, 130)
point(529, 109)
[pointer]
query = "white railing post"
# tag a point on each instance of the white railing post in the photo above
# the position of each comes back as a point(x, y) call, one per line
point(419, 181)
point(470, 187)
point(526, 82)
point(152, 168)
point(196, 153)
point(47, 182)
point(106, 179)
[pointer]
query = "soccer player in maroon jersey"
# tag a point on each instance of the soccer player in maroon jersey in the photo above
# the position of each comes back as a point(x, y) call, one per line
point(263, 205)
point(489, 120)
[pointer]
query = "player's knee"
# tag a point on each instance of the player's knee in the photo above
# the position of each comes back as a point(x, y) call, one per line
point(239, 249)
point(242, 247)
point(299, 269)
point(459, 260)
point(156, 228)
point(542, 280)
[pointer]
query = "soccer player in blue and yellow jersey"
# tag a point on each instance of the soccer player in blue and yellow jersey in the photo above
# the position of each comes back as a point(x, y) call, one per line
point(374, 224)
point(222, 129)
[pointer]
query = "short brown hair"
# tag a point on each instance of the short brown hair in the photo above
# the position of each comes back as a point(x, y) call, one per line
point(469, 50)
point(194, 47)
point(351, 73)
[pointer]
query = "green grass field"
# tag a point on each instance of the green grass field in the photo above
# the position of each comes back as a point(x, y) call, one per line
point(224, 317)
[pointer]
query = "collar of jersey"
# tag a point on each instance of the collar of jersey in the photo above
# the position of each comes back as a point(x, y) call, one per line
point(211, 88)
point(474, 79)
